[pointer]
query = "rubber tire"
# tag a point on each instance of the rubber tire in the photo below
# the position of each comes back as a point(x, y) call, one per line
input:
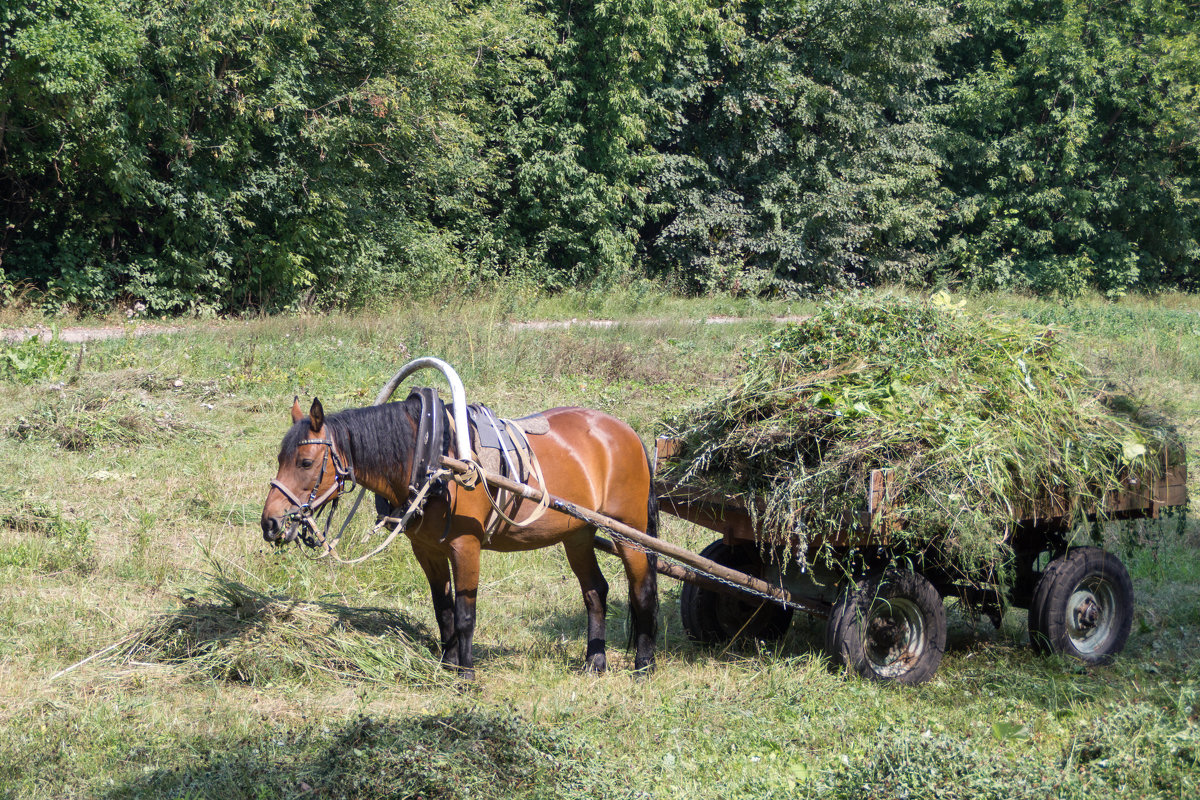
point(1050, 613)
point(846, 639)
point(711, 617)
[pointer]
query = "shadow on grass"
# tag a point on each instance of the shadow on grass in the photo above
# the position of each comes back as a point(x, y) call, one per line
point(464, 754)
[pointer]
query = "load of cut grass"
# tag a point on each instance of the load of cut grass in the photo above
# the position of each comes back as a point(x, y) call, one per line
point(980, 420)
point(240, 634)
point(82, 418)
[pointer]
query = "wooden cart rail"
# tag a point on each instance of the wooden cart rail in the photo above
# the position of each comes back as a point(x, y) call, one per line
point(1145, 496)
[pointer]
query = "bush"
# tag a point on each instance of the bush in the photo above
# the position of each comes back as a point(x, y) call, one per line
point(32, 360)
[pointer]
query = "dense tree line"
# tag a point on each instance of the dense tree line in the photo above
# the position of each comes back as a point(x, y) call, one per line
point(225, 154)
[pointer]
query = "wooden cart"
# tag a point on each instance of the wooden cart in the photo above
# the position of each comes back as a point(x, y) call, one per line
point(890, 624)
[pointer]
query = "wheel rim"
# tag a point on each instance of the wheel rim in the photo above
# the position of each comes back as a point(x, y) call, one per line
point(1091, 614)
point(895, 636)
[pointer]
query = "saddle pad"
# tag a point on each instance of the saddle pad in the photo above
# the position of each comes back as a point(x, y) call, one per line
point(489, 459)
point(492, 441)
point(534, 424)
point(487, 436)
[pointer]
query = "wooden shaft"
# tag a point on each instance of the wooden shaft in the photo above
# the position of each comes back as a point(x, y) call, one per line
point(649, 542)
point(682, 574)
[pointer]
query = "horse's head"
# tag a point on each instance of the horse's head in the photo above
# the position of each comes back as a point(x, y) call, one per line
point(311, 474)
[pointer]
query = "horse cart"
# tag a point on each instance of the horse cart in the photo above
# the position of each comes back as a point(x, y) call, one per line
point(886, 622)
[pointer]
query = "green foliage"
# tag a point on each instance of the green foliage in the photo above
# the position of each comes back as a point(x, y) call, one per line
point(1074, 144)
point(32, 360)
point(238, 633)
point(41, 539)
point(580, 134)
point(225, 153)
point(1145, 751)
point(800, 151)
point(980, 421)
point(101, 417)
point(228, 155)
point(462, 753)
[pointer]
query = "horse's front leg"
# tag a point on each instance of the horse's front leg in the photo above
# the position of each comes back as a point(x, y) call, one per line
point(464, 560)
point(437, 572)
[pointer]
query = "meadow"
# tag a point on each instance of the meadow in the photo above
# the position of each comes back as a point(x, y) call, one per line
point(220, 667)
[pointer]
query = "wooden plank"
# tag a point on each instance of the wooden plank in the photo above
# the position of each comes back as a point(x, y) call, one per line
point(879, 495)
point(665, 449)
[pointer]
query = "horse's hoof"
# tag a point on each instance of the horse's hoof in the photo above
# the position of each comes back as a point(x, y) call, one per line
point(643, 669)
point(596, 664)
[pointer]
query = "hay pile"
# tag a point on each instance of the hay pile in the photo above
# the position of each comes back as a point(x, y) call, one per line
point(239, 634)
point(977, 417)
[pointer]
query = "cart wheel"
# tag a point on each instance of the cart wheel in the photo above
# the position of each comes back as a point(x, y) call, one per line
point(713, 617)
point(1083, 606)
point(891, 628)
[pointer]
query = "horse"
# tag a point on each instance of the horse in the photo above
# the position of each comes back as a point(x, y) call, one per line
point(587, 457)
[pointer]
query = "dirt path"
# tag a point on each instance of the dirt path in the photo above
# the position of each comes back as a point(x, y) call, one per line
point(86, 334)
point(75, 335)
point(609, 323)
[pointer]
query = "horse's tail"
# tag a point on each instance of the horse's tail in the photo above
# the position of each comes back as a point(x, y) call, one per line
point(651, 584)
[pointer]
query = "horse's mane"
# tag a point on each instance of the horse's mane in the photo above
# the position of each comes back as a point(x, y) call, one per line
point(375, 439)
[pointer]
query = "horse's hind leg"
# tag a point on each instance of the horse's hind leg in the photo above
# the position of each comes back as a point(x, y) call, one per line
point(581, 555)
point(643, 603)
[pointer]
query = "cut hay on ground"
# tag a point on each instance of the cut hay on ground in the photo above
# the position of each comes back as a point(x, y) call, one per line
point(978, 418)
point(239, 634)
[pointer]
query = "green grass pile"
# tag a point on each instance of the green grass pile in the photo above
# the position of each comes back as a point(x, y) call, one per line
point(240, 634)
point(110, 413)
point(980, 420)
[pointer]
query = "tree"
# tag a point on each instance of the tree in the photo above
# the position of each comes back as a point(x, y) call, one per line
point(1073, 159)
point(801, 153)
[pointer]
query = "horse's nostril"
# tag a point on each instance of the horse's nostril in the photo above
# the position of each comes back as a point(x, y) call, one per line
point(270, 528)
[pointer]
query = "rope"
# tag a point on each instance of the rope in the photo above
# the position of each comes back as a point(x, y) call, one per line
point(401, 523)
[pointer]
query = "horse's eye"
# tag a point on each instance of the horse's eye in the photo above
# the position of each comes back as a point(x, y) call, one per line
point(306, 463)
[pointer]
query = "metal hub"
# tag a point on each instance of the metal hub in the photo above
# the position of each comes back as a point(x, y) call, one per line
point(895, 636)
point(1091, 614)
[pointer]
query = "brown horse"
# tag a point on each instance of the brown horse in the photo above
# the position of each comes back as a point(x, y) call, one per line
point(588, 458)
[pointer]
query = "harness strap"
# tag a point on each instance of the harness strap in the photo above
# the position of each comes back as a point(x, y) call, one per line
point(532, 467)
point(399, 524)
point(303, 514)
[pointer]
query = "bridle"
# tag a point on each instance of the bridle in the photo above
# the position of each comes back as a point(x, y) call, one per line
point(303, 516)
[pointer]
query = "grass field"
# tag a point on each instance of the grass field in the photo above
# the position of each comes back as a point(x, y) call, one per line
point(129, 517)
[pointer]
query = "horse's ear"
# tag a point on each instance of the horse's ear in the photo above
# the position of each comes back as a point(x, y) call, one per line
point(316, 415)
point(297, 412)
